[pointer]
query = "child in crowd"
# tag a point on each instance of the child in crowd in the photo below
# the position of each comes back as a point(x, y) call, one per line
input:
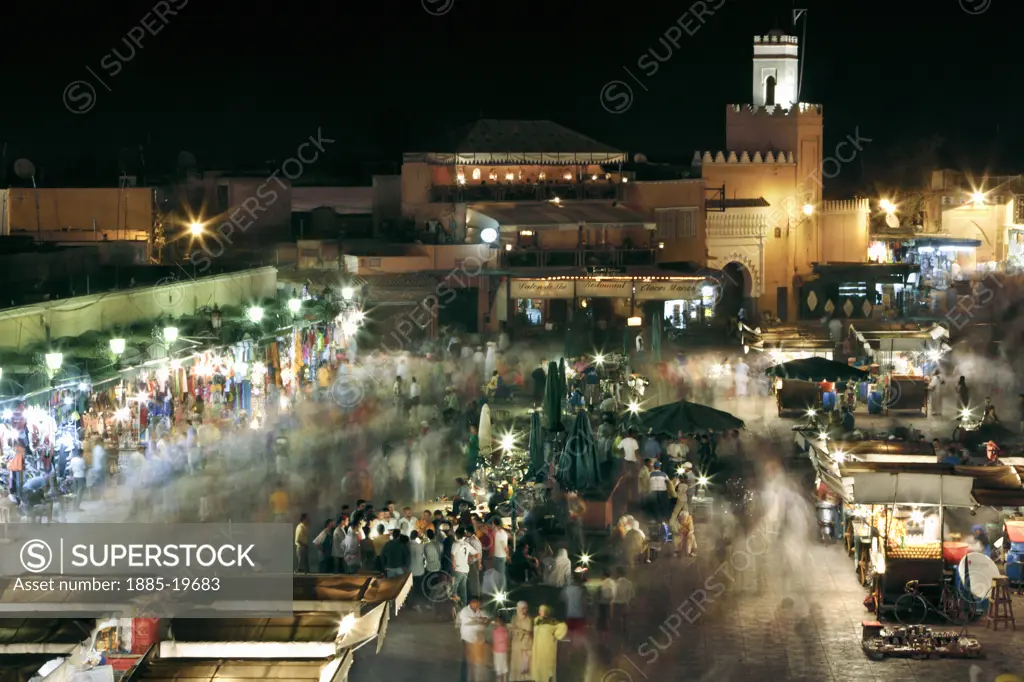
point(499, 645)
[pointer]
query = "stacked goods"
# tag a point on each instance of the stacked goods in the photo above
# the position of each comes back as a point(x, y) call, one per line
point(931, 550)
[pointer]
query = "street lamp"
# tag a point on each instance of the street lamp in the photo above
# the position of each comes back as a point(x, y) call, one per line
point(808, 209)
point(348, 293)
point(978, 198)
point(54, 361)
point(887, 206)
point(255, 314)
point(117, 346)
point(170, 334)
point(294, 305)
point(196, 229)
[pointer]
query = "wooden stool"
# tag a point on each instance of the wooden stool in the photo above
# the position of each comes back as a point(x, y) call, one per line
point(1000, 608)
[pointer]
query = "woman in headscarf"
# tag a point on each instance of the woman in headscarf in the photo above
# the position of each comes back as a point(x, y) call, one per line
point(561, 570)
point(521, 631)
point(547, 632)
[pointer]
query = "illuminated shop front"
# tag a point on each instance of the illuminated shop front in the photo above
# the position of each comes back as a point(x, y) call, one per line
point(611, 301)
point(859, 291)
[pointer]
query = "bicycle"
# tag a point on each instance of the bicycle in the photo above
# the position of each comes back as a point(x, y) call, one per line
point(912, 607)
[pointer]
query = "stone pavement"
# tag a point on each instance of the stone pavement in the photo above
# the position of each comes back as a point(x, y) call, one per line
point(704, 619)
point(757, 616)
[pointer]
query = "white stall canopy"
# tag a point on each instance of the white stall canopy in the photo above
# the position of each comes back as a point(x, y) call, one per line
point(950, 491)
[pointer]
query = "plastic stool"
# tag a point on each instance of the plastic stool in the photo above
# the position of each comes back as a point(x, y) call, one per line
point(1000, 608)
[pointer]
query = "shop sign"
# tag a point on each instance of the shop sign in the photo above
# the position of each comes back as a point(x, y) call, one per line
point(604, 288)
point(542, 288)
point(669, 290)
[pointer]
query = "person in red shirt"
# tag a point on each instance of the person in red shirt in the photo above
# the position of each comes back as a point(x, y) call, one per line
point(499, 645)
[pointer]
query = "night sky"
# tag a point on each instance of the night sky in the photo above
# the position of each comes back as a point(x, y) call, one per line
point(244, 82)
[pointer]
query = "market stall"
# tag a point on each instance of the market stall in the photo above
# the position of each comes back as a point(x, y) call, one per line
point(906, 521)
point(811, 383)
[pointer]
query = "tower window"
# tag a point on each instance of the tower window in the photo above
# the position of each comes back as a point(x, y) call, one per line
point(769, 91)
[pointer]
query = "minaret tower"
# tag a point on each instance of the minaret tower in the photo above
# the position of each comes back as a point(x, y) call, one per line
point(776, 70)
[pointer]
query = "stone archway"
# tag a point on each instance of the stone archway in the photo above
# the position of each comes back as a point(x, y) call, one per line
point(737, 286)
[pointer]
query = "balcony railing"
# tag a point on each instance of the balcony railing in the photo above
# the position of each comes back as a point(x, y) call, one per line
point(606, 191)
point(552, 258)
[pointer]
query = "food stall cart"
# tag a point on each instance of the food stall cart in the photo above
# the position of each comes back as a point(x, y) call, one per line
point(810, 383)
point(907, 528)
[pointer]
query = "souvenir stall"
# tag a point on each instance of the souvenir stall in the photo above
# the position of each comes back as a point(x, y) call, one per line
point(28, 435)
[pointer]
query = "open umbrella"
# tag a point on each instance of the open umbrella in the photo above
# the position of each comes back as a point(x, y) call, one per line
point(553, 399)
point(816, 369)
point(687, 417)
point(536, 445)
point(484, 432)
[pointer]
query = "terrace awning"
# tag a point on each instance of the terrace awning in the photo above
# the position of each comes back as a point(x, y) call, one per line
point(495, 142)
point(509, 216)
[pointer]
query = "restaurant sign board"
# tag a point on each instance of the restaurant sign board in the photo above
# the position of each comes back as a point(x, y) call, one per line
point(669, 290)
point(542, 288)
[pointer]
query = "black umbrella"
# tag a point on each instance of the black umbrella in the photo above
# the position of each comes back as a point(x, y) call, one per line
point(687, 417)
point(816, 369)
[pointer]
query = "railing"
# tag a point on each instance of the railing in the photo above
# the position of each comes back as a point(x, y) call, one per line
point(554, 258)
point(607, 191)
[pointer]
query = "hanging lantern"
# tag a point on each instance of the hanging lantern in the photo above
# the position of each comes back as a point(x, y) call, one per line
point(215, 318)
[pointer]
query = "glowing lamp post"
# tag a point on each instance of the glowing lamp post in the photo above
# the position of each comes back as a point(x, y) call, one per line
point(117, 346)
point(54, 361)
point(170, 334)
point(255, 314)
point(294, 305)
point(195, 229)
point(348, 293)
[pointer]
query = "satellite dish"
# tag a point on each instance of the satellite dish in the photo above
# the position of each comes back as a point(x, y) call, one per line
point(25, 169)
point(976, 571)
point(892, 221)
point(640, 158)
point(186, 160)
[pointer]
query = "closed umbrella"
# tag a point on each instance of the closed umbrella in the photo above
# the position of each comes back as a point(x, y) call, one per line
point(553, 399)
point(484, 432)
point(656, 339)
point(583, 446)
point(561, 376)
point(536, 445)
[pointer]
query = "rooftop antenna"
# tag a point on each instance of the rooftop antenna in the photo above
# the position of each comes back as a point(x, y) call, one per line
point(26, 170)
point(797, 15)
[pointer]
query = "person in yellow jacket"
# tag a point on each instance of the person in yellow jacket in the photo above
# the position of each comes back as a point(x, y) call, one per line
point(547, 632)
point(682, 534)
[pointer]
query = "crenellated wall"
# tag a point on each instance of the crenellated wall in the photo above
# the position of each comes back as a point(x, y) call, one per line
point(743, 157)
point(844, 231)
point(846, 206)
